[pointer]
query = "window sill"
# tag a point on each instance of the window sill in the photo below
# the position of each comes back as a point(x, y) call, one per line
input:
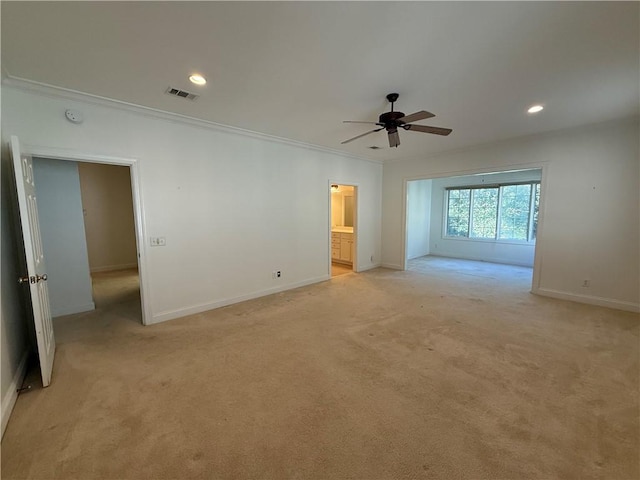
point(523, 243)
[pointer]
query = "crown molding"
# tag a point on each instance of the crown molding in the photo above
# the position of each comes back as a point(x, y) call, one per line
point(515, 140)
point(54, 91)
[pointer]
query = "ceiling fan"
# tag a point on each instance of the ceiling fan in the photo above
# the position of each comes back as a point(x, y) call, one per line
point(391, 121)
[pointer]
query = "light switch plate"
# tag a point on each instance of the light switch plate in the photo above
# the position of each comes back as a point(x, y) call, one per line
point(157, 241)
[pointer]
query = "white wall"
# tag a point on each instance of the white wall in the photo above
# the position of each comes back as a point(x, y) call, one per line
point(589, 226)
point(213, 195)
point(418, 218)
point(108, 219)
point(14, 331)
point(512, 253)
point(63, 237)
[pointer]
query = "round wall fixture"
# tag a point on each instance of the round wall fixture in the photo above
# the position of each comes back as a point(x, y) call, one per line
point(74, 116)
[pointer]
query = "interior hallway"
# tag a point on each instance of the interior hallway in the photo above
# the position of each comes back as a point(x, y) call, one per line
point(116, 295)
point(115, 288)
point(429, 373)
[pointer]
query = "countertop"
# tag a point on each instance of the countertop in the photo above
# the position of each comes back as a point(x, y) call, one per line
point(342, 229)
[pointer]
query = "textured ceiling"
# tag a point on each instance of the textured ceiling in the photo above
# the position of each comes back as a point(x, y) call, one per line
point(297, 69)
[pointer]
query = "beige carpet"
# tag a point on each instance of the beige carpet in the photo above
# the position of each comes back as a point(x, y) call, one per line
point(447, 371)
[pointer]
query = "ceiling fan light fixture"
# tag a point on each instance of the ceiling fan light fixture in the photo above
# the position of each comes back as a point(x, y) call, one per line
point(197, 79)
point(391, 121)
point(535, 109)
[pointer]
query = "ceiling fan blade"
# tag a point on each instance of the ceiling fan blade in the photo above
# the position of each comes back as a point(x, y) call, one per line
point(367, 133)
point(425, 129)
point(394, 139)
point(414, 117)
point(355, 121)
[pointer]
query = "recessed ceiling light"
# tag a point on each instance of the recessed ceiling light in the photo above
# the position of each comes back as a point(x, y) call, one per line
point(198, 79)
point(535, 109)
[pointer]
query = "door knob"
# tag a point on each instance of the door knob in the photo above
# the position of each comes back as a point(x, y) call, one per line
point(32, 279)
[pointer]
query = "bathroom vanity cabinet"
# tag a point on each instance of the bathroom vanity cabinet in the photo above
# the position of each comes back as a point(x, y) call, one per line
point(342, 247)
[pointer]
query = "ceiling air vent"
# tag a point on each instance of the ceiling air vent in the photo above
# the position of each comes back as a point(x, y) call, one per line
point(181, 93)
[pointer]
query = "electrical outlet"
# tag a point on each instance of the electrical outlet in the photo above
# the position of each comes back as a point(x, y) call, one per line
point(276, 274)
point(586, 283)
point(157, 241)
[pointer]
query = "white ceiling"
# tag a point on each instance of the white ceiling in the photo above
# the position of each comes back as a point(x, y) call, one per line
point(297, 69)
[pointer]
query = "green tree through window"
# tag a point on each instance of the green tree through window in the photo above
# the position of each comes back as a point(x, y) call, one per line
point(458, 213)
point(500, 212)
point(515, 208)
point(484, 213)
point(536, 203)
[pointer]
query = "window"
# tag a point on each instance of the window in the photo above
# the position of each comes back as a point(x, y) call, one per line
point(496, 212)
point(483, 213)
point(458, 213)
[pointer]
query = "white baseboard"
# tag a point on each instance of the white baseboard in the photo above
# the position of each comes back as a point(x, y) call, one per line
point(483, 258)
point(11, 396)
point(588, 299)
point(87, 307)
point(111, 268)
point(183, 312)
point(368, 267)
point(393, 266)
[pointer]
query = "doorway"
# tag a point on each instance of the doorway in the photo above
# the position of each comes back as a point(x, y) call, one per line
point(35, 260)
point(490, 217)
point(134, 265)
point(343, 213)
point(110, 232)
point(88, 234)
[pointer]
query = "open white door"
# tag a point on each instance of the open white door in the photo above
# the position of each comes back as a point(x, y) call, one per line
point(36, 277)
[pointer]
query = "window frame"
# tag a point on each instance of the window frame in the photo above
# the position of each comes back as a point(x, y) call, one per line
point(497, 239)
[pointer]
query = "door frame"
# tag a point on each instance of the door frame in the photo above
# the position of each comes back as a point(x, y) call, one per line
point(136, 193)
point(537, 255)
point(356, 220)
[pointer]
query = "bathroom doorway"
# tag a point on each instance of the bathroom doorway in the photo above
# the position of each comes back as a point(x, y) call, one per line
point(343, 228)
